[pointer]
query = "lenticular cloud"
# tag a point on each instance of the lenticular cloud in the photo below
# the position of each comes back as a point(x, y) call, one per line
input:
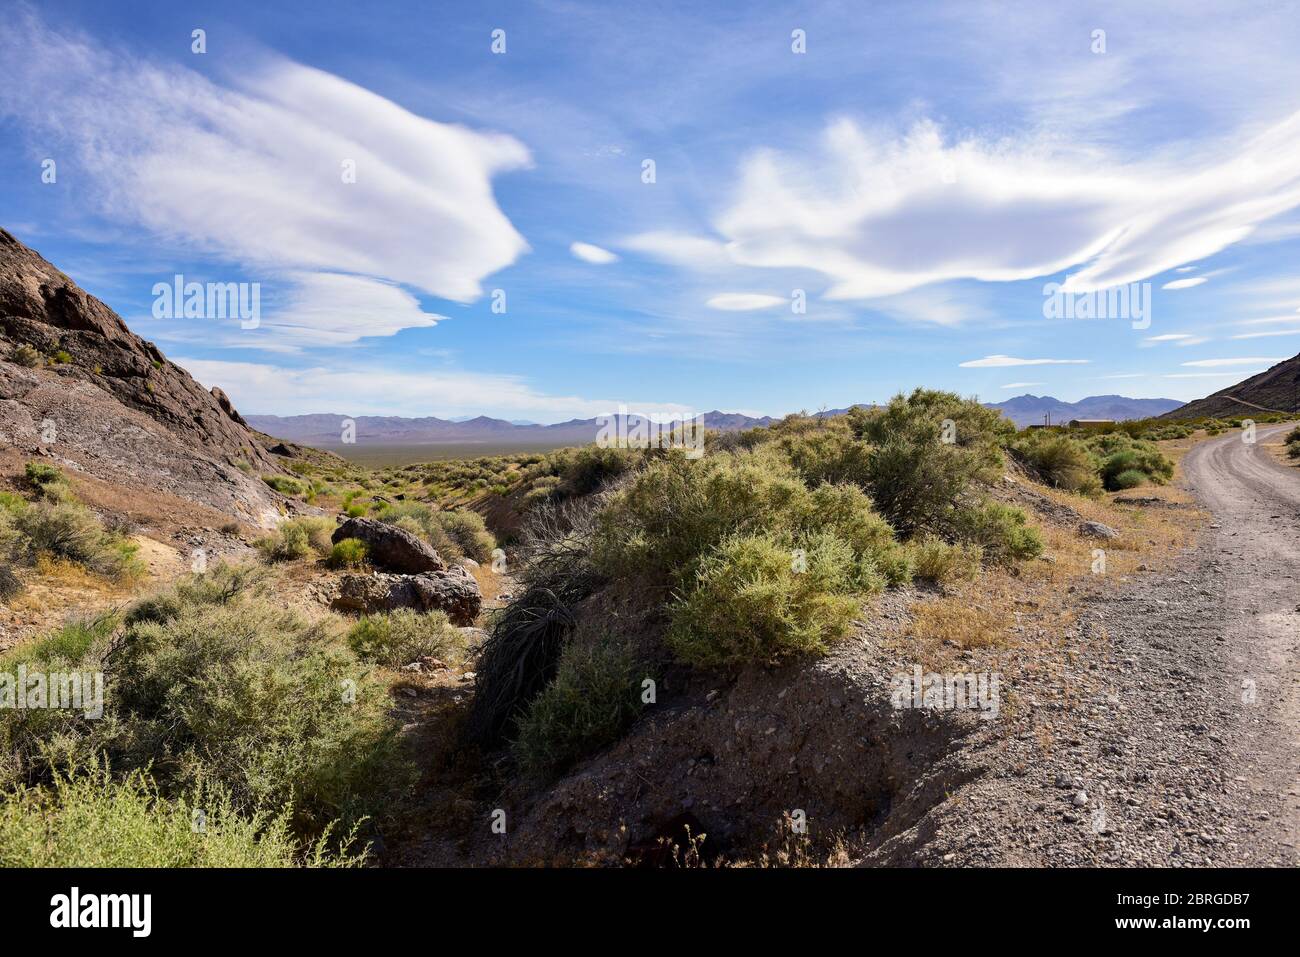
point(286, 167)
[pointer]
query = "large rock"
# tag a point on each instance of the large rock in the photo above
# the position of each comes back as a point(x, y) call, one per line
point(453, 591)
point(391, 548)
point(1097, 530)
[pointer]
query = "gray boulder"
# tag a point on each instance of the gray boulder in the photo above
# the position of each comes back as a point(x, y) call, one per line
point(1097, 530)
point(391, 548)
point(453, 591)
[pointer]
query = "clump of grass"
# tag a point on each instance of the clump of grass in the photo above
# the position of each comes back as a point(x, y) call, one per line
point(595, 695)
point(63, 529)
point(25, 356)
point(347, 553)
point(399, 637)
point(297, 538)
point(935, 560)
point(11, 586)
point(286, 485)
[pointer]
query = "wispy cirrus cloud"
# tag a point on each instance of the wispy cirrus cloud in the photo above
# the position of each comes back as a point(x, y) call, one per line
point(596, 255)
point(283, 169)
point(1240, 361)
point(878, 213)
point(997, 362)
point(744, 301)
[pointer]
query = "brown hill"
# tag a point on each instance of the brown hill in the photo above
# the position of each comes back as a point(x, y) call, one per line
point(1273, 390)
point(78, 387)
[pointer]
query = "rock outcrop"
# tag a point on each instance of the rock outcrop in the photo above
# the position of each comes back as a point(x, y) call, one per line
point(453, 591)
point(78, 387)
point(391, 548)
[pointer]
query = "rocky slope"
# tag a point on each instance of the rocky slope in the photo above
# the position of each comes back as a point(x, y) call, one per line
point(77, 386)
point(1273, 390)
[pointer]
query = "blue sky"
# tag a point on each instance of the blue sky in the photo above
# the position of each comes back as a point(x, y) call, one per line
point(920, 173)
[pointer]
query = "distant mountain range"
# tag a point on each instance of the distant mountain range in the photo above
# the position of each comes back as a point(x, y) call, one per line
point(1031, 409)
point(1273, 390)
point(325, 430)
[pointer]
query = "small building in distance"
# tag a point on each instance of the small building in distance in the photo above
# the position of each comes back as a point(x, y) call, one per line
point(1084, 423)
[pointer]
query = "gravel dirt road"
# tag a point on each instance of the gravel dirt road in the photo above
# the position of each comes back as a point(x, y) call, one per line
point(1174, 737)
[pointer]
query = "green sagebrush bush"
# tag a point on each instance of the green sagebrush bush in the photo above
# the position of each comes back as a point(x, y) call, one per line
point(399, 637)
point(86, 818)
point(297, 538)
point(215, 682)
point(754, 603)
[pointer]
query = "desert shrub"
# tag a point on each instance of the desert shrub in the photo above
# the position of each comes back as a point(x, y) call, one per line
point(68, 530)
point(297, 538)
point(469, 531)
point(826, 454)
point(88, 819)
point(916, 477)
point(348, 553)
point(1293, 450)
point(935, 560)
point(1292, 436)
point(400, 637)
point(1059, 461)
point(595, 695)
point(582, 471)
point(39, 474)
point(1129, 478)
point(286, 485)
point(999, 530)
point(846, 512)
point(236, 689)
point(1119, 453)
point(26, 356)
point(753, 604)
point(659, 526)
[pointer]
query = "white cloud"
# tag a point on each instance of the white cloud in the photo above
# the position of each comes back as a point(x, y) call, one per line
point(1250, 361)
point(592, 254)
point(681, 249)
point(258, 388)
point(1185, 269)
point(1211, 375)
point(744, 301)
point(1181, 339)
point(252, 169)
point(993, 362)
point(1184, 283)
point(1022, 385)
point(1263, 335)
point(335, 309)
point(878, 213)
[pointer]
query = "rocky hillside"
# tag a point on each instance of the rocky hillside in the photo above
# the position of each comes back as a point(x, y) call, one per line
point(77, 386)
point(1273, 390)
